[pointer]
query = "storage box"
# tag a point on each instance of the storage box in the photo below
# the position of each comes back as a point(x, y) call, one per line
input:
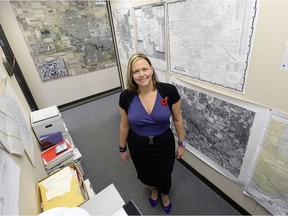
point(44, 114)
point(47, 120)
point(74, 197)
point(49, 126)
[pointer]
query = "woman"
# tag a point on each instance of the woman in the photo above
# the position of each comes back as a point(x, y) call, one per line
point(145, 108)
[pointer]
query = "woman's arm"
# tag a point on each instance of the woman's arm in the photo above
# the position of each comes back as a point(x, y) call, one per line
point(178, 122)
point(124, 130)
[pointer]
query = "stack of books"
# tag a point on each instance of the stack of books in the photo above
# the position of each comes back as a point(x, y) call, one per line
point(74, 159)
point(52, 158)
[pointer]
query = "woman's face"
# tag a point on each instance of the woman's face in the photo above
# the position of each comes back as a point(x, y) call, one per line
point(142, 72)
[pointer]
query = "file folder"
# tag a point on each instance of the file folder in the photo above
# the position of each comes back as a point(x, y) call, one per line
point(63, 188)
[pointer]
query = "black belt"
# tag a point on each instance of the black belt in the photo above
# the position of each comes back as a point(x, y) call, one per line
point(151, 139)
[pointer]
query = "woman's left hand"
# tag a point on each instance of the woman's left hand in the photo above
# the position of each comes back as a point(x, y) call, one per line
point(180, 152)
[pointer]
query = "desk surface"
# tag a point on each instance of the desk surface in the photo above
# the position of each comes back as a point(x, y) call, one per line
point(106, 202)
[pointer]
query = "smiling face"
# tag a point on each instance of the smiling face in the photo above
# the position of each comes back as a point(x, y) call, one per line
point(142, 73)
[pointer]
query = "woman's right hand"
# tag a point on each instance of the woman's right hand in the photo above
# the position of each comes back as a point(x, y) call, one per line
point(125, 156)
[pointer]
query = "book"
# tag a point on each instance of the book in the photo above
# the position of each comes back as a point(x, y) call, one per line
point(48, 140)
point(59, 166)
point(50, 154)
point(58, 160)
point(75, 158)
point(51, 159)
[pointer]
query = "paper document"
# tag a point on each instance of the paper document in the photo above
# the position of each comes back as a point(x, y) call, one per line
point(62, 189)
point(12, 107)
point(58, 184)
point(10, 135)
point(9, 184)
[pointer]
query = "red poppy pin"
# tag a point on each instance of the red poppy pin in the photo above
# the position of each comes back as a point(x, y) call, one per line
point(164, 101)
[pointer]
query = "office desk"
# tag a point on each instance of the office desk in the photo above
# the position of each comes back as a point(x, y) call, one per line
point(106, 202)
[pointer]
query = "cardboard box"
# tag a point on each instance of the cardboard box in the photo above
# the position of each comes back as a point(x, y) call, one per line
point(44, 114)
point(46, 121)
point(49, 126)
point(55, 192)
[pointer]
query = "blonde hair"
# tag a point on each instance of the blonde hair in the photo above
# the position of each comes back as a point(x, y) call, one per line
point(131, 84)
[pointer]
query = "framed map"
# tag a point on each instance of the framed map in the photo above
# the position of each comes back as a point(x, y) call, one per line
point(66, 38)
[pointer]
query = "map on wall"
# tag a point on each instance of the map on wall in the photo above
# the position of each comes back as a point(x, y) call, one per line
point(66, 38)
point(150, 33)
point(125, 32)
point(224, 132)
point(269, 183)
point(211, 40)
point(216, 128)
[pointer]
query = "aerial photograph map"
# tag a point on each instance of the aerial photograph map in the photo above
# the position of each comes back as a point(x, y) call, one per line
point(217, 128)
point(66, 38)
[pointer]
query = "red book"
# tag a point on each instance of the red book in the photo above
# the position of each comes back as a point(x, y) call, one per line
point(50, 153)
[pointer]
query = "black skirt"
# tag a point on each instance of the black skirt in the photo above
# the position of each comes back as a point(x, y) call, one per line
point(153, 158)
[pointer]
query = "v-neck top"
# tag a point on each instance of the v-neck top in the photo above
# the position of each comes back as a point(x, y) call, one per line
point(152, 124)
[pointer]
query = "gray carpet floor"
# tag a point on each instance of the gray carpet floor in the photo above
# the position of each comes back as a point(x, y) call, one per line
point(94, 128)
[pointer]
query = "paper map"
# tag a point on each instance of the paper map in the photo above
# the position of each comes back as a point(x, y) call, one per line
point(210, 40)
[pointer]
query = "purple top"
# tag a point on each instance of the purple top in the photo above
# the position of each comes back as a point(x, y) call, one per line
point(149, 125)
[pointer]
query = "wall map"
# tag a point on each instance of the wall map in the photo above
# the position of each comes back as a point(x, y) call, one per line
point(218, 129)
point(66, 38)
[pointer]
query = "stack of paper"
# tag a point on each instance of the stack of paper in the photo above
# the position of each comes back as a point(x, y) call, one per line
point(51, 158)
point(74, 159)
